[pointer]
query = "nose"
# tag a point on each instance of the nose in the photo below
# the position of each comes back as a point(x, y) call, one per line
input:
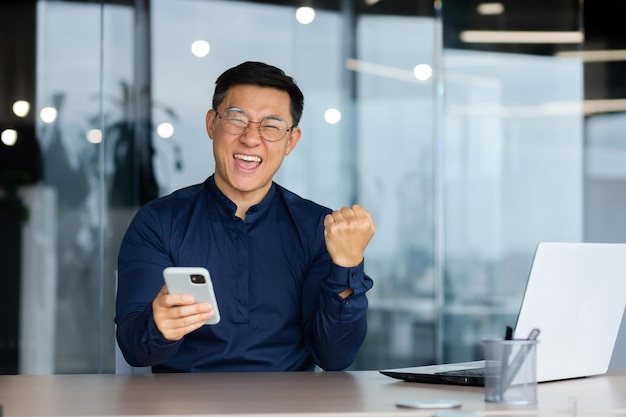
point(252, 132)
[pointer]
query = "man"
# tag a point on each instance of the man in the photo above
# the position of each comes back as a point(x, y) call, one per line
point(288, 273)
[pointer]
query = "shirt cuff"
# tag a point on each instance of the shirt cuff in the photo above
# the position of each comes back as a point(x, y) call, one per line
point(342, 278)
point(155, 336)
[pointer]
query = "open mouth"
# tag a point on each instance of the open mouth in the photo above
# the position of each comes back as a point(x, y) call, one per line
point(247, 161)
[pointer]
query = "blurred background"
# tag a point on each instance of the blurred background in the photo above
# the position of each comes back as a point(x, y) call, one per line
point(471, 130)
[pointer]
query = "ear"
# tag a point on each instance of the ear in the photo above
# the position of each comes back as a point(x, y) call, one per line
point(294, 138)
point(210, 123)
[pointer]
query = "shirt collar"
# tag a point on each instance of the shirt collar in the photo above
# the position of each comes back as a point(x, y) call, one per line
point(231, 207)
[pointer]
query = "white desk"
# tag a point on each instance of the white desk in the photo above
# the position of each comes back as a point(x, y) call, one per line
point(347, 394)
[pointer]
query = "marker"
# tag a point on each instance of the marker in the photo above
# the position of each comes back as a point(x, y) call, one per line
point(508, 335)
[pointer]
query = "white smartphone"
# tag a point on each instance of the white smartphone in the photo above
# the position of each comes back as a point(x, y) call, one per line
point(195, 281)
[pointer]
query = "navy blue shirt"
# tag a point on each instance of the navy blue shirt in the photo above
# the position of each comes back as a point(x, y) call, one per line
point(276, 286)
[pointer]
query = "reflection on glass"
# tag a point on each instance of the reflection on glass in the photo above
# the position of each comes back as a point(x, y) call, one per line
point(48, 114)
point(94, 136)
point(165, 130)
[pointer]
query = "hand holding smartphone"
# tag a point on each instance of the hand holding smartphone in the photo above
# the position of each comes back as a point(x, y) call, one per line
point(194, 281)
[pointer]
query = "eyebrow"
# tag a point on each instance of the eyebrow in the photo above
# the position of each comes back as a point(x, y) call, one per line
point(275, 116)
point(269, 116)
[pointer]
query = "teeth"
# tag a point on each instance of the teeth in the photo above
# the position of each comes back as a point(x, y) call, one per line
point(249, 158)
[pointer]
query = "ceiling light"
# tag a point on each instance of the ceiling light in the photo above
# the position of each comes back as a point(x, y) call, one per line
point(165, 130)
point(200, 48)
point(604, 106)
point(490, 8)
point(9, 137)
point(21, 108)
point(423, 72)
point(486, 36)
point(595, 56)
point(382, 70)
point(305, 15)
point(332, 116)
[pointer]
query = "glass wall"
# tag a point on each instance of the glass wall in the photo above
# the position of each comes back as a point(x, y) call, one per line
point(513, 170)
point(467, 154)
point(513, 177)
point(85, 81)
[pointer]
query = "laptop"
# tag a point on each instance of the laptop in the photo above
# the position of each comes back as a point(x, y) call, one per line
point(575, 296)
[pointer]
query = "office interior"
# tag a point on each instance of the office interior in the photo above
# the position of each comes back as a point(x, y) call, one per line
point(471, 130)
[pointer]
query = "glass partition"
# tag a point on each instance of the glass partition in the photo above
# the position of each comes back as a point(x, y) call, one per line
point(395, 125)
point(84, 90)
point(513, 177)
point(512, 165)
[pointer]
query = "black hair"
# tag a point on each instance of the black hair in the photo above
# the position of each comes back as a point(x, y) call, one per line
point(263, 75)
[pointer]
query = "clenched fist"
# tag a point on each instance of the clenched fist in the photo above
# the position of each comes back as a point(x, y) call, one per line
point(347, 232)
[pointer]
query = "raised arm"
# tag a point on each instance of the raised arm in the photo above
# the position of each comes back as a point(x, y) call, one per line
point(338, 327)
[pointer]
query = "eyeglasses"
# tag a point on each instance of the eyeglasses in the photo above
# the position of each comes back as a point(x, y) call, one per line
point(235, 121)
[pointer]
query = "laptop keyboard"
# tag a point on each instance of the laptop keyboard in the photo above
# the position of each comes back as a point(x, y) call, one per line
point(465, 372)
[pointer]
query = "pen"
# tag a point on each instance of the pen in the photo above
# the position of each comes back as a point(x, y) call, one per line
point(533, 334)
point(508, 335)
